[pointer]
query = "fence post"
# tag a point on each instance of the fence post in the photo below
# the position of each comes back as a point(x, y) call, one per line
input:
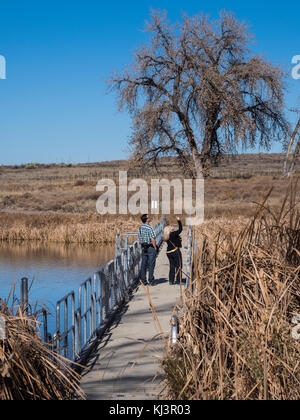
point(194, 254)
point(45, 323)
point(24, 294)
point(77, 331)
point(174, 329)
point(125, 261)
point(189, 257)
point(94, 303)
point(118, 244)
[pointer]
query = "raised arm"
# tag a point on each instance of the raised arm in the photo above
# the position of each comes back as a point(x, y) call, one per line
point(178, 232)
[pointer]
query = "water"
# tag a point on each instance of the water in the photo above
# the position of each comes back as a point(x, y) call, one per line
point(53, 269)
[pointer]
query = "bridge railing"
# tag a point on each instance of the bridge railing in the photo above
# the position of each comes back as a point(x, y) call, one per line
point(191, 255)
point(79, 324)
point(190, 275)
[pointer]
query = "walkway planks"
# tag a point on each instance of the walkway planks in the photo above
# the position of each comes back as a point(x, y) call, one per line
point(125, 364)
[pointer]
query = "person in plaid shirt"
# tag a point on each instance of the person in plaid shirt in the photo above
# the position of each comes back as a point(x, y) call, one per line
point(149, 249)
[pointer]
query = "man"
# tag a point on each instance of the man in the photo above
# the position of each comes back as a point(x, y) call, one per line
point(149, 249)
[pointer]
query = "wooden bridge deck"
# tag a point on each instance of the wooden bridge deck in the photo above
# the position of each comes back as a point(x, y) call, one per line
point(125, 364)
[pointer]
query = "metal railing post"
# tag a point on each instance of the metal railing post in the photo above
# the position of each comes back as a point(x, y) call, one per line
point(77, 332)
point(125, 261)
point(189, 257)
point(24, 295)
point(57, 332)
point(174, 329)
point(118, 244)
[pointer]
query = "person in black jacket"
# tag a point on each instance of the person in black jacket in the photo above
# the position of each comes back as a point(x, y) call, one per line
point(171, 236)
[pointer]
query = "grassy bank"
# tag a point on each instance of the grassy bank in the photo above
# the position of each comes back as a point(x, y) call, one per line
point(235, 337)
point(64, 228)
point(58, 202)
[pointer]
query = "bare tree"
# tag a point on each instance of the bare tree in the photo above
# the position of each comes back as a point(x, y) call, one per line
point(195, 91)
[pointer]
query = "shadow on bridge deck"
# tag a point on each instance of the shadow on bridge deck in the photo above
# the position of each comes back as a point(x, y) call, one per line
point(125, 364)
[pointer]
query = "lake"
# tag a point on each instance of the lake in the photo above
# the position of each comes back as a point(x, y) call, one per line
point(53, 269)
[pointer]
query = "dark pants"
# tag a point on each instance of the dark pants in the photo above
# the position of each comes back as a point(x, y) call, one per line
point(148, 261)
point(175, 259)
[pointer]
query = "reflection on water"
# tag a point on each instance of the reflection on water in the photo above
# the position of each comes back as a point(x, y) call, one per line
point(21, 254)
point(55, 269)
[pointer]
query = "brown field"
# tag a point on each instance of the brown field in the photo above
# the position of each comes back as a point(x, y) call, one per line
point(58, 202)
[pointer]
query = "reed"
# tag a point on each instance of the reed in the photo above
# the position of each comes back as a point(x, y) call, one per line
point(63, 228)
point(235, 337)
point(29, 369)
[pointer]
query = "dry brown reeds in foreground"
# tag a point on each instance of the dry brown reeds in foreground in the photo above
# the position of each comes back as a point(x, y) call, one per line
point(29, 370)
point(235, 337)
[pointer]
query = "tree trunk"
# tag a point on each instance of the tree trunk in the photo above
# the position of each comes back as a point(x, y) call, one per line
point(197, 163)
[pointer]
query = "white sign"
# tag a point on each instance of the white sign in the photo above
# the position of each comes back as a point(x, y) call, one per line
point(154, 205)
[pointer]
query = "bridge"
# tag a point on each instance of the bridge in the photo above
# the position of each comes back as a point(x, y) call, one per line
point(126, 361)
point(115, 326)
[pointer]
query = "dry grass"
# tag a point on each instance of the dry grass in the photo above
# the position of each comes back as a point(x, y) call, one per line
point(63, 189)
point(35, 194)
point(235, 324)
point(29, 369)
point(62, 228)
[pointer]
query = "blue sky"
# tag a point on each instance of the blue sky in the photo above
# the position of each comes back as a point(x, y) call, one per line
point(53, 104)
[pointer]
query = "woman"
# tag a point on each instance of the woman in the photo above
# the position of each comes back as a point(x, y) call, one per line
point(173, 240)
